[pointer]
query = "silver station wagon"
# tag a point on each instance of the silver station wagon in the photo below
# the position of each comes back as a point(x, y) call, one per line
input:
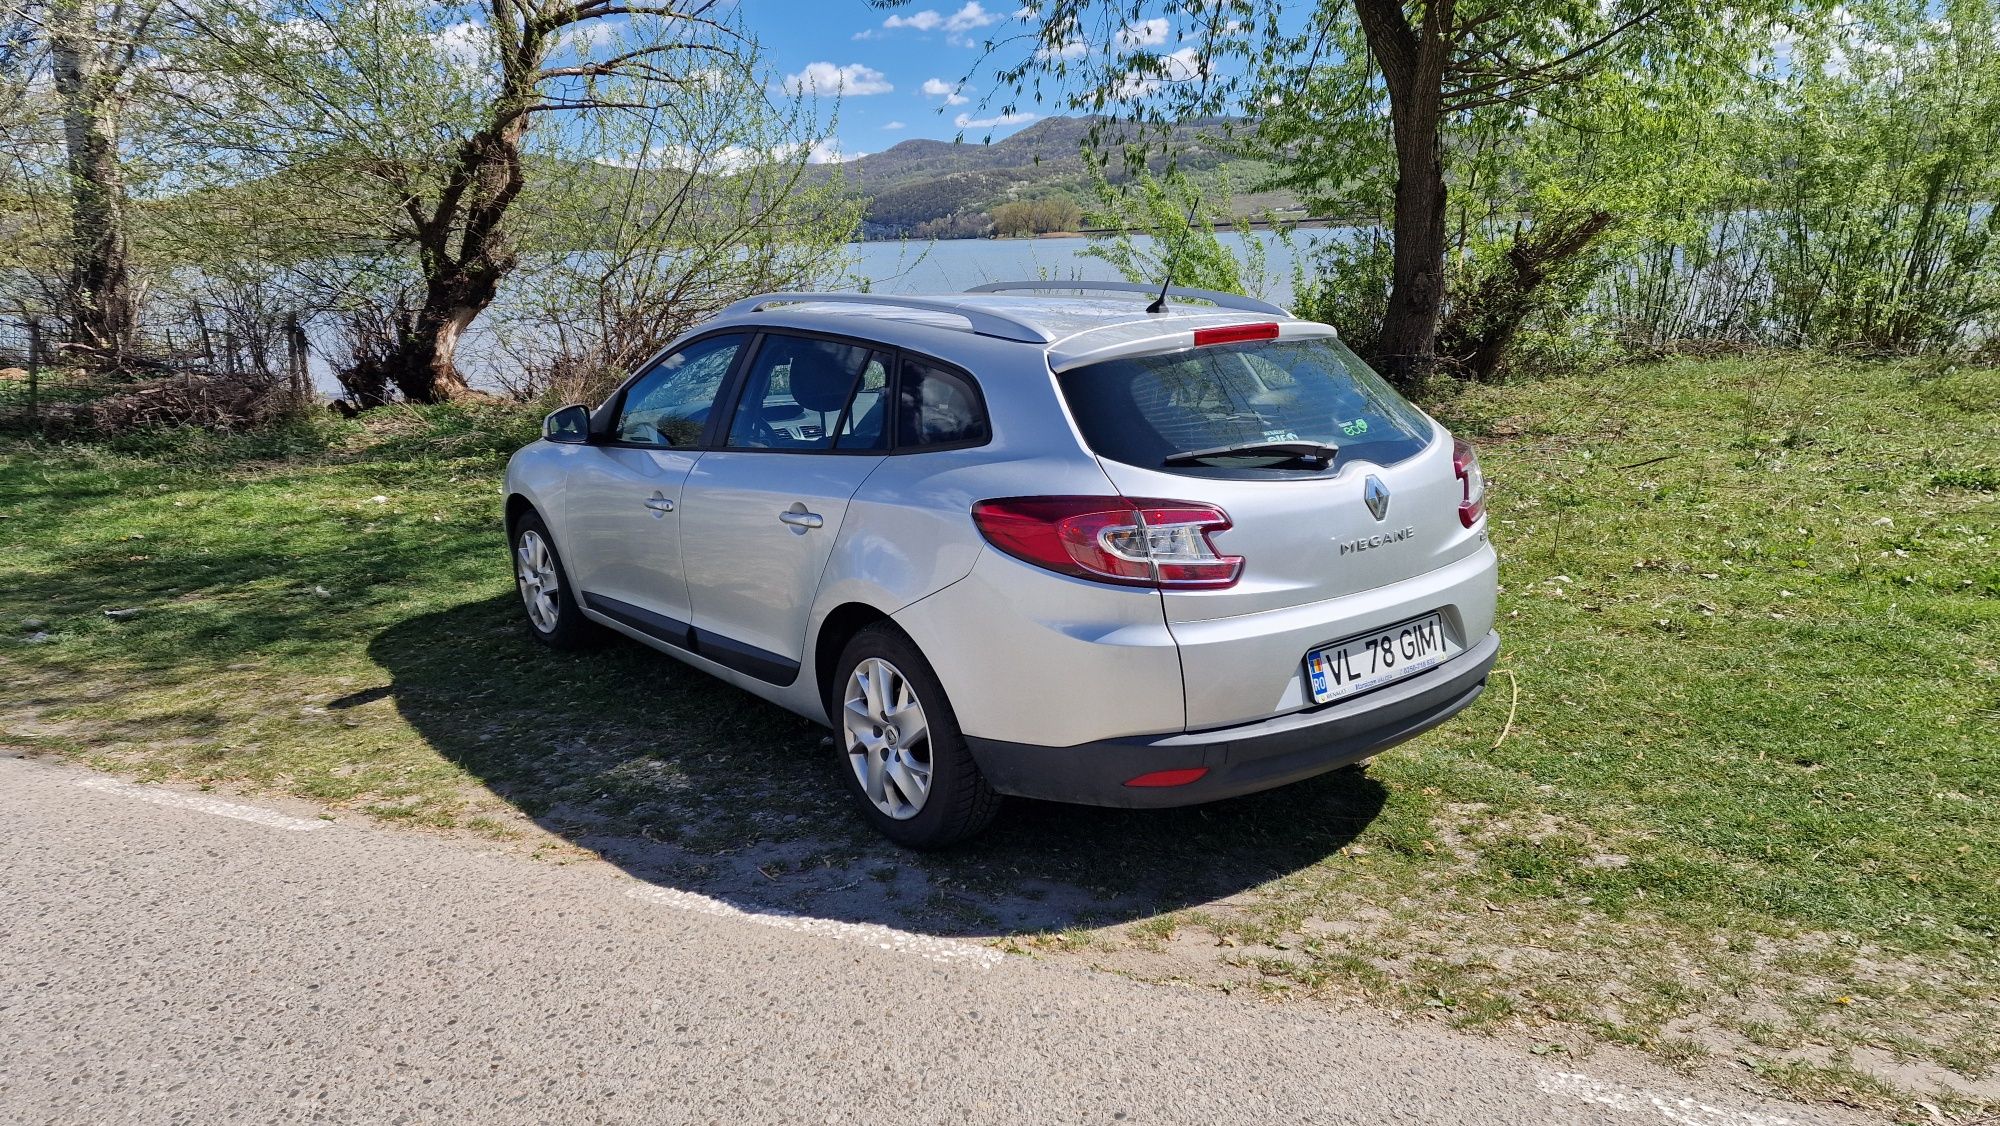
point(1036, 539)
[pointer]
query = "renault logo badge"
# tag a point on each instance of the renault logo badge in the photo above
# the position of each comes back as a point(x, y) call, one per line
point(1377, 496)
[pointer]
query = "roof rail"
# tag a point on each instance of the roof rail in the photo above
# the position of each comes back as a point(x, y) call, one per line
point(1214, 296)
point(985, 322)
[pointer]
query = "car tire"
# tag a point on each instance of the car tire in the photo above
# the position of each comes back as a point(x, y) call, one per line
point(957, 802)
point(553, 616)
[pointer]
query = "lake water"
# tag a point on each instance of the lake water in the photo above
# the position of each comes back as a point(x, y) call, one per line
point(959, 264)
point(946, 266)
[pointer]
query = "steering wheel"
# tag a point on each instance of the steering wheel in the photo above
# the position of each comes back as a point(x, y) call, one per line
point(763, 433)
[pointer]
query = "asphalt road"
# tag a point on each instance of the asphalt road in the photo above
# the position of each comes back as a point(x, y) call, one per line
point(167, 957)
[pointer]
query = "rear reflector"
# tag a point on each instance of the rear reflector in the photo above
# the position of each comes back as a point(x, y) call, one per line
point(1169, 777)
point(1234, 334)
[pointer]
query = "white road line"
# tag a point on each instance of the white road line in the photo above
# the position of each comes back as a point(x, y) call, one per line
point(1676, 1109)
point(216, 806)
point(945, 950)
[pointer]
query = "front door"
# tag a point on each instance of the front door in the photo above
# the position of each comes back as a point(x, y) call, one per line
point(760, 515)
point(625, 494)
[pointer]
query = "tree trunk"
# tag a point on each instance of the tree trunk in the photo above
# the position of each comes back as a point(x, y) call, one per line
point(1407, 345)
point(97, 294)
point(425, 367)
point(458, 287)
point(1413, 60)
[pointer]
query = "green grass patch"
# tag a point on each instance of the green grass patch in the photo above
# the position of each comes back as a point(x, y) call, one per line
point(1743, 809)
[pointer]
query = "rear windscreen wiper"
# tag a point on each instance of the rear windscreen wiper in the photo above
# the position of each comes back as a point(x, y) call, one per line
point(1316, 454)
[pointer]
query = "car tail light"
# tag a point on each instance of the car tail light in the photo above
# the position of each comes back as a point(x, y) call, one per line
point(1235, 334)
point(1130, 541)
point(1465, 463)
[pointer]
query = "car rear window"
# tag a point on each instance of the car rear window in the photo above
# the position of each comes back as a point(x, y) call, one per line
point(1145, 409)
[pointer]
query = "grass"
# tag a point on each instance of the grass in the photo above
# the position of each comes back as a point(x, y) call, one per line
point(1731, 801)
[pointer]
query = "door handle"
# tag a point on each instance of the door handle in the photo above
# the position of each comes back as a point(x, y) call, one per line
point(803, 519)
point(659, 503)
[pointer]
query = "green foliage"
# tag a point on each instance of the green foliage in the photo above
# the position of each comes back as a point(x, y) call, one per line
point(1568, 133)
point(1345, 283)
point(1865, 217)
point(1176, 218)
point(390, 168)
point(717, 203)
point(1036, 217)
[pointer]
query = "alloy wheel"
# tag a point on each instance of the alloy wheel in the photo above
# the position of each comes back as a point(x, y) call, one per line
point(888, 741)
point(541, 589)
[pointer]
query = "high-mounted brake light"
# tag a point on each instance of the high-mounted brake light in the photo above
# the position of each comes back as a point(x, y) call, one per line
point(1235, 334)
point(1465, 463)
point(1129, 541)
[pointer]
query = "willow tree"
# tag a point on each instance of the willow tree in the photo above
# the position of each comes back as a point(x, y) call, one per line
point(414, 125)
point(73, 63)
point(1354, 95)
point(653, 221)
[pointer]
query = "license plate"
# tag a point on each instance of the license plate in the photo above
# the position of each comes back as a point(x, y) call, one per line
point(1373, 659)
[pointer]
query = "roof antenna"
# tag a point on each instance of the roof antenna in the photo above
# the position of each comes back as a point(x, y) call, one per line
point(1159, 304)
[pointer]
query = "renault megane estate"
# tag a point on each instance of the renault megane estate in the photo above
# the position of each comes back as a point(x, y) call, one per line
point(1041, 539)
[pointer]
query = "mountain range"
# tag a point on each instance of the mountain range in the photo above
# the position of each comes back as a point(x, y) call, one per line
point(928, 184)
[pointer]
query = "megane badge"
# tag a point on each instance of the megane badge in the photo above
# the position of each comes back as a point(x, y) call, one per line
point(1377, 496)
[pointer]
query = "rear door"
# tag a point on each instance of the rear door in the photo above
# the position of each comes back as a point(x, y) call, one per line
point(622, 513)
point(762, 512)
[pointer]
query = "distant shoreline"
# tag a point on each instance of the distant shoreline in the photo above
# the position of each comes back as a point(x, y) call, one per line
point(1312, 222)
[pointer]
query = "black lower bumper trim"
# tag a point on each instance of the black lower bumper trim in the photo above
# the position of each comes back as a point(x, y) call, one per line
point(1244, 759)
point(725, 651)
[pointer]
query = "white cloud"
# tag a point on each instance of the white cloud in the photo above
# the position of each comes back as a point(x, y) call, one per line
point(828, 151)
point(1074, 49)
point(939, 88)
point(853, 80)
point(1179, 66)
point(724, 160)
point(1145, 33)
point(926, 20)
point(587, 37)
point(317, 36)
point(866, 33)
point(970, 17)
point(733, 158)
point(1184, 64)
point(895, 125)
point(463, 43)
point(1025, 12)
point(967, 121)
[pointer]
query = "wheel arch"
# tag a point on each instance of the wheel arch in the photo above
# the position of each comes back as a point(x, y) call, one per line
point(835, 631)
point(518, 505)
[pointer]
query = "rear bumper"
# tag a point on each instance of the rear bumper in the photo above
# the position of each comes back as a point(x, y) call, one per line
point(1245, 758)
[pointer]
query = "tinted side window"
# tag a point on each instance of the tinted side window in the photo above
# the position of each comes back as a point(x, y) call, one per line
point(798, 393)
point(936, 406)
point(669, 405)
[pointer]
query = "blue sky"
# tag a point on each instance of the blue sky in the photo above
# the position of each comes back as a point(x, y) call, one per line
point(896, 72)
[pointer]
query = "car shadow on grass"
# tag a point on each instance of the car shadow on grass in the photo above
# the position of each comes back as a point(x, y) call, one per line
point(686, 782)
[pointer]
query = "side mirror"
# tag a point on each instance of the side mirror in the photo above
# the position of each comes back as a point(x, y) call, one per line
point(570, 425)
